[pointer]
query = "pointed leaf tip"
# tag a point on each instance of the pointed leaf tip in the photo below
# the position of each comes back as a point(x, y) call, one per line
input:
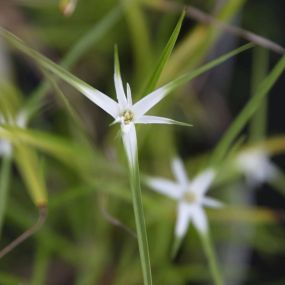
point(116, 60)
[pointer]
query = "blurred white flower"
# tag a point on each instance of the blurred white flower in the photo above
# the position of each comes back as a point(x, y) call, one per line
point(255, 164)
point(19, 121)
point(190, 196)
point(125, 112)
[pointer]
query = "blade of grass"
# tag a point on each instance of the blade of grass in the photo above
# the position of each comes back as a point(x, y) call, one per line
point(259, 70)
point(150, 86)
point(206, 67)
point(4, 186)
point(84, 44)
point(9, 279)
point(29, 167)
point(210, 254)
point(140, 222)
point(79, 84)
point(247, 112)
point(41, 263)
point(140, 36)
point(62, 148)
point(199, 40)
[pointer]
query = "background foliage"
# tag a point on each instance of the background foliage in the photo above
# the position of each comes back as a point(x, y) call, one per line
point(70, 149)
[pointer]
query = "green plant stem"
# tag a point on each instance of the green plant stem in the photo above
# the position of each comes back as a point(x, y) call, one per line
point(140, 222)
point(4, 186)
point(246, 113)
point(210, 253)
point(81, 47)
point(259, 69)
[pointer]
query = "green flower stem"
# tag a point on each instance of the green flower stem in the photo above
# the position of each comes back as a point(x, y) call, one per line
point(247, 112)
point(4, 186)
point(259, 70)
point(210, 253)
point(140, 222)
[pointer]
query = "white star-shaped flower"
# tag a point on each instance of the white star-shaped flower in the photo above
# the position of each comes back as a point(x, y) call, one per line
point(256, 166)
point(190, 196)
point(19, 121)
point(125, 112)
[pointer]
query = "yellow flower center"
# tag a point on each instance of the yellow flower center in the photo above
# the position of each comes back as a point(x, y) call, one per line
point(189, 197)
point(128, 117)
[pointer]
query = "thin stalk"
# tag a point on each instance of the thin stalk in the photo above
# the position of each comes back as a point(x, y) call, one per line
point(259, 69)
point(212, 260)
point(140, 222)
point(26, 234)
point(81, 47)
point(247, 112)
point(4, 186)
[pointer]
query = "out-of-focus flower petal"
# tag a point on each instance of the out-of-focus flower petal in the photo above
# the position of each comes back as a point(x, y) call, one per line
point(183, 219)
point(165, 187)
point(180, 172)
point(199, 219)
point(202, 182)
point(212, 203)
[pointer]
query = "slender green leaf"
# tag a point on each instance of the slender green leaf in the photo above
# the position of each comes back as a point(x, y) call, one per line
point(164, 56)
point(204, 68)
point(94, 35)
point(79, 84)
point(29, 166)
point(139, 35)
point(61, 148)
point(140, 222)
point(259, 70)
point(247, 112)
point(4, 187)
point(213, 264)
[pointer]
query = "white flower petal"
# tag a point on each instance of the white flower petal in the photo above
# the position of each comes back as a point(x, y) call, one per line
point(21, 119)
point(130, 143)
point(121, 96)
point(199, 219)
point(183, 219)
point(158, 120)
point(5, 148)
point(100, 99)
point(129, 95)
point(166, 187)
point(210, 202)
point(256, 165)
point(147, 102)
point(120, 93)
point(202, 182)
point(179, 172)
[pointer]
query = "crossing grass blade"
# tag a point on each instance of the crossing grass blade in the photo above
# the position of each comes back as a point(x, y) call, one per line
point(5, 173)
point(247, 112)
point(164, 56)
point(79, 84)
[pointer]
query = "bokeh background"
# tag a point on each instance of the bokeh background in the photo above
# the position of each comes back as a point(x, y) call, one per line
point(88, 236)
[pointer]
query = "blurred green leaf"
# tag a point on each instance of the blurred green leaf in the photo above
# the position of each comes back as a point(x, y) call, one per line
point(152, 81)
point(247, 112)
point(29, 167)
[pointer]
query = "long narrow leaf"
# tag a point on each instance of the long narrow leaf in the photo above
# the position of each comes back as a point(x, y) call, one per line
point(4, 187)
point(204, 68)
point(80, 85)
point(164, 56)
point(247, 112)
point(28, 164)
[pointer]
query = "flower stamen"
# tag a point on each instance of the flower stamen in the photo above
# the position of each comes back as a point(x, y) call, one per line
point(128, 117)
point(190, 197)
